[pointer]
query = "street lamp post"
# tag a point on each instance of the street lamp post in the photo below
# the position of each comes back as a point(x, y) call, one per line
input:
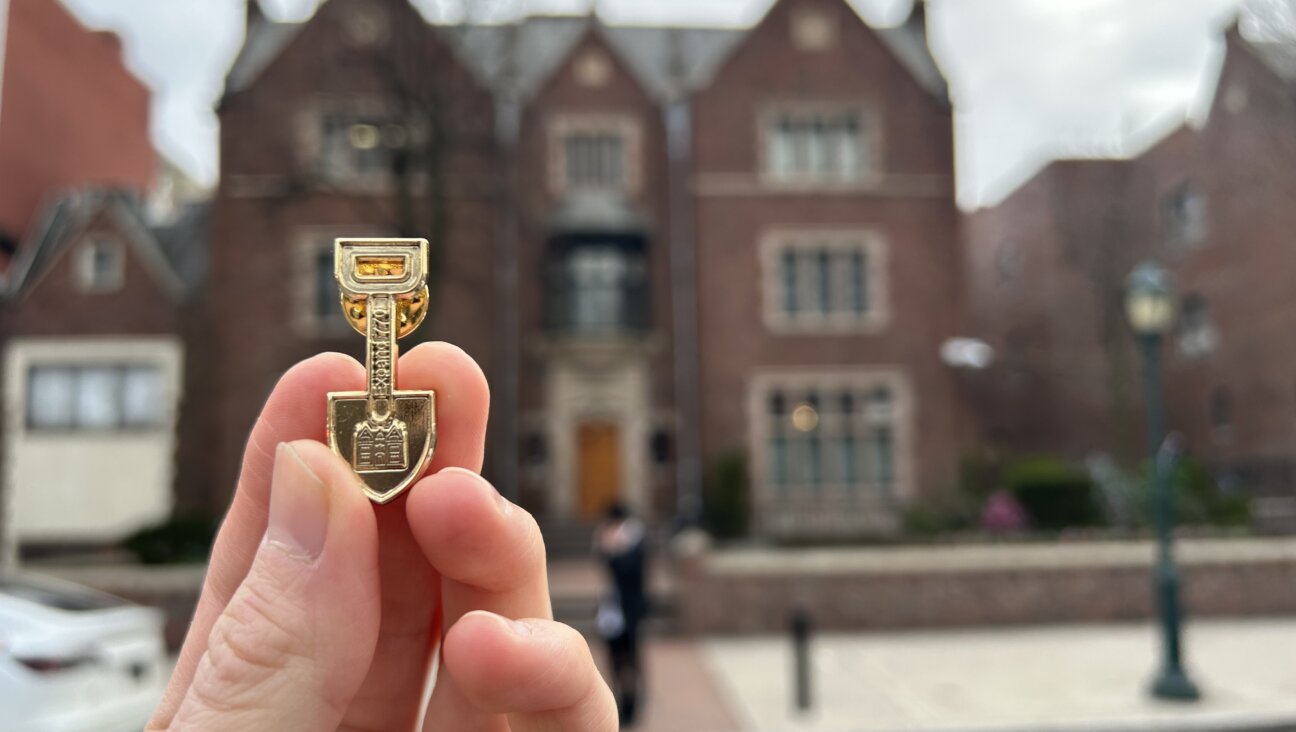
point(1150, 307)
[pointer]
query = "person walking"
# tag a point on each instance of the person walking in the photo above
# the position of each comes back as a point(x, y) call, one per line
point(621, 542)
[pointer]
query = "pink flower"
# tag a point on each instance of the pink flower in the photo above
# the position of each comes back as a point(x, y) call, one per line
point(1003, 514)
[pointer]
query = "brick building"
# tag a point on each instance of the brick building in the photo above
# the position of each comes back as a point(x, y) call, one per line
point(1211, 202)
point(90, 322)
point(93, 372)
point(47, 142)
point(664, 245)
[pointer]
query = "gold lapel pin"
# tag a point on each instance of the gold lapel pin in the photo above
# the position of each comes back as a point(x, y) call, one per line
point(386, 434)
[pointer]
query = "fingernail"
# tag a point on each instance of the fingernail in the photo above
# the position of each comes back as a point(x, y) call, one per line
point(299, 505)
point(518, 627)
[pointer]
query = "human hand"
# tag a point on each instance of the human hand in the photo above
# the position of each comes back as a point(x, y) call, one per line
point(322, 611)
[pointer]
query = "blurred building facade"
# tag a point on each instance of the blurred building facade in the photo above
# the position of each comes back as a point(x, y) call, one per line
point(1211, 202)
point(664, 245)
point(89, 326)
point(670, 249)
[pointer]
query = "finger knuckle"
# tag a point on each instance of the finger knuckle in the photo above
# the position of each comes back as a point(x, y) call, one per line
point(257, 636)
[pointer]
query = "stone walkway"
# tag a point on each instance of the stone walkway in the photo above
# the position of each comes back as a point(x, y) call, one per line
point(683, 694)
point(1045, 679)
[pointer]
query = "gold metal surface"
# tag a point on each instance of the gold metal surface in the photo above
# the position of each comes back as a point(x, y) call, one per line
point(410, 311)
point(386, 434)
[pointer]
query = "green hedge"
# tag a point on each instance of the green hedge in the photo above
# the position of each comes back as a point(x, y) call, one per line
point(725, 505)
point(1054, 494)
point(179, 539)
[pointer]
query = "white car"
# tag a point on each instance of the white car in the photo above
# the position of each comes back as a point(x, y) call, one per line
point(72, 658)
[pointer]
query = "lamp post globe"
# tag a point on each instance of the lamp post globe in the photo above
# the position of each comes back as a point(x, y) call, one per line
point(1150, 306)
point(1150, 300)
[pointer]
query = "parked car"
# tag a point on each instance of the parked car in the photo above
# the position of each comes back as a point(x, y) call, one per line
point(75, 659)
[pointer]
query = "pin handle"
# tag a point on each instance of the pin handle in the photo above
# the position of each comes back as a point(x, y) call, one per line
point(380, 359)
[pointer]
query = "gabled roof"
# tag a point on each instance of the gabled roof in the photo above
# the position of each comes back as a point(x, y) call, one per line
point(67, 216)
point(261, 46)
point(668, 60)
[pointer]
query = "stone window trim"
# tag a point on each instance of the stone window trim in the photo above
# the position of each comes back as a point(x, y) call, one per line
point(763, 381)
point(876, 316)
point(1185, 217)
point(566, 123)
point(871, 140)
point(813, 30)
point(309, 139)
point(308, 244)
point(90, 276)
point(1196, 333)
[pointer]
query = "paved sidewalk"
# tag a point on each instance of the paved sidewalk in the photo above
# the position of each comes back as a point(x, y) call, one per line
point(1036, 679)
point(683, 694)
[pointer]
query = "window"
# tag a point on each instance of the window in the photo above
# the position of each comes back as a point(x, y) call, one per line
point(829, 146)
point(1197, 336)
point(1183, 213)
point(660, 446)
point(328, 308)
point(823, 281)
point(357, 144)
point(594, 154)
point(1010, 261)
point(100, 265)
point(103, 397)
point(360, 144)
point(594, 160)
point(535, 450)
point(598, 276)
point(597, 287)
point(827, 436)
point(317, 309)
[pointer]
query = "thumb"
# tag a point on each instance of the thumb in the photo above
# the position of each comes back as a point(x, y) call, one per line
point(295, 641)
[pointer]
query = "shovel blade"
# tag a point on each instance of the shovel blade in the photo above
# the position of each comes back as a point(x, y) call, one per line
point(388, 459)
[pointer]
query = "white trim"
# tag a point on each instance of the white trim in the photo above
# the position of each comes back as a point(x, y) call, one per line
point(894, 185)
point(877, 314)
point(82, 485)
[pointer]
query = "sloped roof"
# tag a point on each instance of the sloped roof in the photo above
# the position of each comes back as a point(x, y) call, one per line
point(667, 60)
point(261, 46)
point(1279, 56)
point(67, 215)
point(184, 243)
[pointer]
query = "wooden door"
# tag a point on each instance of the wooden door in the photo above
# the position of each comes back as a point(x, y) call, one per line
point(600, 467)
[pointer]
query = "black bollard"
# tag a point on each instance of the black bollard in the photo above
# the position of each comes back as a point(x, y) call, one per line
point(801, 656)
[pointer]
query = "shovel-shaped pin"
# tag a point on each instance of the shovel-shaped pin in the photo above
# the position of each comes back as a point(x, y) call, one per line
point(387, 435)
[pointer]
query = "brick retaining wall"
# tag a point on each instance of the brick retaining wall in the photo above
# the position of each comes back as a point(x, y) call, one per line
point(755, 591)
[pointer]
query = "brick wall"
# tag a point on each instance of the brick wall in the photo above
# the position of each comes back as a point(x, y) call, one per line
point(909, 205)
point(854, 589)
point(72, 114)
point(268, 198)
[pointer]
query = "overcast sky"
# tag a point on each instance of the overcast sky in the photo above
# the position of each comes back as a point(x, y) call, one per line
point(1031, 79)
